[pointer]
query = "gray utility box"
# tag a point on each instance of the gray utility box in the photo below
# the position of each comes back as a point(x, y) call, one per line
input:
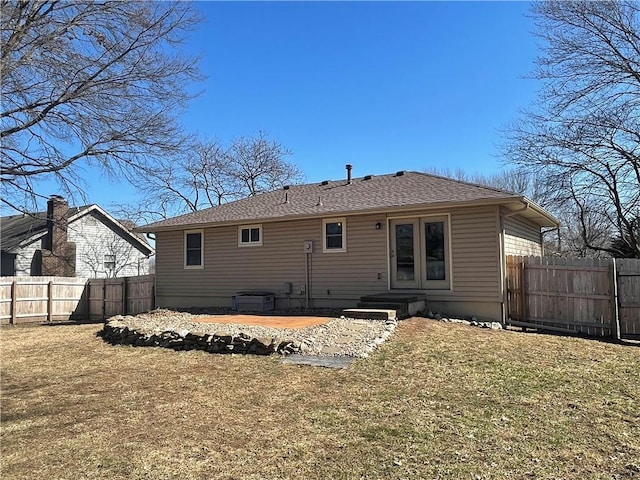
point(253, 301)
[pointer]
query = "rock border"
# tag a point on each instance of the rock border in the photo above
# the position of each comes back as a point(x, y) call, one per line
point(116, 332)
point(241, 339)
point(473, 322)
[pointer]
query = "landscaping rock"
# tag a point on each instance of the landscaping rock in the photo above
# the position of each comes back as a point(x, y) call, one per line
point(473, 322)
point(180, 331)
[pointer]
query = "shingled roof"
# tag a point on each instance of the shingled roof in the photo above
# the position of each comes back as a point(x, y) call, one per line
point(401, 190)
point(17, 230)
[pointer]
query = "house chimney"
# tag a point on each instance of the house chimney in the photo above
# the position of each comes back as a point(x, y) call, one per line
point(349, 167)
point(58, 256)
point(57, 216)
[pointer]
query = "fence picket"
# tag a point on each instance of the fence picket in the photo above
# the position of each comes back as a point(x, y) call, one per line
point(599, 297)
point(52, 299)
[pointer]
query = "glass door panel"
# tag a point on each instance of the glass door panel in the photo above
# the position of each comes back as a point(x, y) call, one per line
point(435, 268)
point(404, 254)
point(434, 236)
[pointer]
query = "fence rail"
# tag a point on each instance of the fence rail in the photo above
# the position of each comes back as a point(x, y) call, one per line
point(599, 297)
point(57, 299)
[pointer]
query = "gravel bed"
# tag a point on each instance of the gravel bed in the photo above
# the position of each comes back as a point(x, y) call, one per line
point(341, 336)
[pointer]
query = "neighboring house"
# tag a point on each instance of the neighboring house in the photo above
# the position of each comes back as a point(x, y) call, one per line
point(328, 244)
point(81, 241)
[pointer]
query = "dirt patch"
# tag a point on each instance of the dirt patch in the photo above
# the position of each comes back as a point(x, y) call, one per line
point(265, 320)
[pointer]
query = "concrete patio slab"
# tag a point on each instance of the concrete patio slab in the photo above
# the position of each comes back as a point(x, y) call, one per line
point(275, 321)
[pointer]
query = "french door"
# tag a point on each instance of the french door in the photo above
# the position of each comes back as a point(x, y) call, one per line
point(420, 253)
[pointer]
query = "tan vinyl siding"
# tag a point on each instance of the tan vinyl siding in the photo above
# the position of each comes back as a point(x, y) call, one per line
point(337, 279)
point(355, 272)
point(475, 252)
point(521, 237)
point(229, 268)
point(475, 264)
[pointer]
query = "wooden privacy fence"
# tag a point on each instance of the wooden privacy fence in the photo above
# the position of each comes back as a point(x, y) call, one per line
point(57, 299)
point(599, 297)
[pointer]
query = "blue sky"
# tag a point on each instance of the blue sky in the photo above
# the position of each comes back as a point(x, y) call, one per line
point(385, 86)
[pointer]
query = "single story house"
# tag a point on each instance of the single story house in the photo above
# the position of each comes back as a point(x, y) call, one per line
point(327, 244)
point(81, 241)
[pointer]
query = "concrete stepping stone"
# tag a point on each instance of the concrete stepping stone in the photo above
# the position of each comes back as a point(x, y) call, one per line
point(319, 361)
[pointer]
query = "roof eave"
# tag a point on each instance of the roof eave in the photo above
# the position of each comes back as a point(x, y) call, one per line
point(551, 221)
point(25, 242)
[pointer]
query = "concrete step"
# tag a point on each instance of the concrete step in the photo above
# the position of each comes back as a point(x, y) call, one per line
point(370, 313)
point(401, 309)
point(391, 297)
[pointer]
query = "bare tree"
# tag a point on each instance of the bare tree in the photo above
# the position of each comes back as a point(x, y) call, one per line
point(568, 240)
point(583, 135)
point(514, 180)
point(83, 82)
point(209, 175)
point(256, 165)
point(620, 247)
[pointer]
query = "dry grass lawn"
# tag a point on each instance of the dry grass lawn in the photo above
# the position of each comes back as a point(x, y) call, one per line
point(437, 401)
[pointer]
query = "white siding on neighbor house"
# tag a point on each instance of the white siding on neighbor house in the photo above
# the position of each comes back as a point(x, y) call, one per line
point(94, 240)
point(24, 259)
point(521, 237)
point(336, 279)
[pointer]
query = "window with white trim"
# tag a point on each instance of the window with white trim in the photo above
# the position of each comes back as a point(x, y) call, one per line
point(334, 235)
point(250, 235)
point(193, 249)
point(109, 262)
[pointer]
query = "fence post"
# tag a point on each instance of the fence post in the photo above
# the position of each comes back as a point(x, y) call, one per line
point(50, 301)
point(124, 295)
point(104, 299)
point(615, 318)
point(506, 300)
point(523, 291)
point(87, 287)
point(14, 302)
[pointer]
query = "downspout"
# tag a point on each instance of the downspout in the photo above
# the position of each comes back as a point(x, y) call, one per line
point(544, 232)
point(307, 280)
point(151, 236)
point(503, 273)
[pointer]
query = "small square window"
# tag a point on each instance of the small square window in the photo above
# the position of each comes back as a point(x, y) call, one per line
point(250, 235)
point(109, 262)
point(334, 235)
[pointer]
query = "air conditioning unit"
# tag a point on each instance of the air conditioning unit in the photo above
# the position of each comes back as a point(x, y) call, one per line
point(253, 301)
